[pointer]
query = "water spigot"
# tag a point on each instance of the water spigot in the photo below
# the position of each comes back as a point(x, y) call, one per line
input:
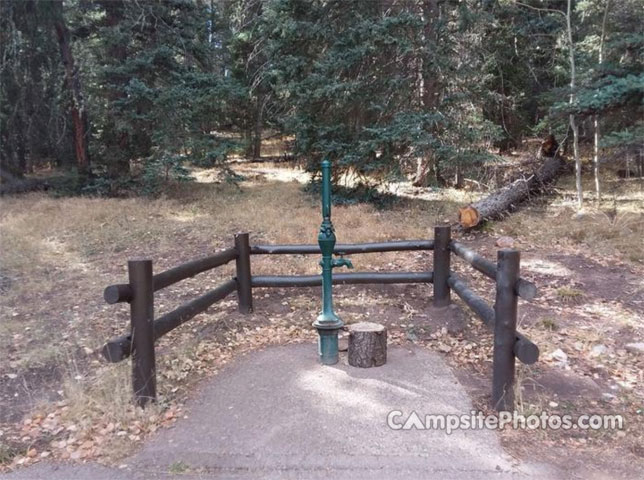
point(341, 262)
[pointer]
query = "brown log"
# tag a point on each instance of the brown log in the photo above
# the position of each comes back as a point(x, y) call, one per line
point(357, 278)
point(367, 345)
point(504, 199)
point(120, 348)
point(344, 249)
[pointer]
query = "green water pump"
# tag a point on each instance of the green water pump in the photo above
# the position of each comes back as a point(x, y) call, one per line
point(328, 324)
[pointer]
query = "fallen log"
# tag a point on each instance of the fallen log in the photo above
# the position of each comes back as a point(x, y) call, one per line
point(507, 197)
point(22, 186)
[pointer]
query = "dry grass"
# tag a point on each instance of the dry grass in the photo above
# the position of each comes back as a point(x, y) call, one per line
point(524, 375)
point(613, 227)
point(57, 255)
point(549, 324)
point(83, 244)
point(570, 295)
point(594, 231)
point(100, 405)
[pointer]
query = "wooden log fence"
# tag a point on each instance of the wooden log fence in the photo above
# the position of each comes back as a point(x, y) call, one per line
point(358, 278)
point(145, 330)
point(123, 292)
point(523, 288)
point(345, 249)
point(524, 349)
point(120, 348)
point(142, 318)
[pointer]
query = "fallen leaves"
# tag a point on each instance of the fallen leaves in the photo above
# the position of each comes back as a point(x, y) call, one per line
point(66, 432)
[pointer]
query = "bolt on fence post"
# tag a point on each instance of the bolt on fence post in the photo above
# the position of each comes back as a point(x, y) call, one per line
point(244, 288)
point(442, 237)
point(505, 329)
point(142, 324)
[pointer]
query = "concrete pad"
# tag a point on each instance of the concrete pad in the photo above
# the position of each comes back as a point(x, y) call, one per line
point(67, 471)
point(278, 414)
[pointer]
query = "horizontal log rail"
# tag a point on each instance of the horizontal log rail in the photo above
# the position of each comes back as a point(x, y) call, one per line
point(524, 349)
point(145, 330)
point(341, 279)
point(120, 348)
point(525, 289)
point(344, 249)
point(190, 269)
point(123, 292)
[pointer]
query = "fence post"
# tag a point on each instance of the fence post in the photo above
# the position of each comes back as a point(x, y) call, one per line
point(244, 288)
point(142, 321)
point(442, 236)
point(505, 329)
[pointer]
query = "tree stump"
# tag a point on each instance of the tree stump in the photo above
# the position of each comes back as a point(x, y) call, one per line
point(367, 345)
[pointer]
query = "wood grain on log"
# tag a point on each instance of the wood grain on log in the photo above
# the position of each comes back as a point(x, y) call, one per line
point(367, 345)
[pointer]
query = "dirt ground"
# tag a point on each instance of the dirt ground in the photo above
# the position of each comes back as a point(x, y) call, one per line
point(59, 399)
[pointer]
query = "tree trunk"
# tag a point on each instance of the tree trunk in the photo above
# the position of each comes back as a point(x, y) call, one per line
point(72, 80)
point(596, 136)
point(458, 178)
point(422, 170)
point(429, 89)
point(367, 345)
point(509, 196)
point(248, 142)
point(116, 139)
point(596, 158)
point(573, 123)
point(257, 130)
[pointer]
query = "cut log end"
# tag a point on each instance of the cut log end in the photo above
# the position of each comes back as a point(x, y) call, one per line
point(468, 216)
point(367, 345)
point(118, 350)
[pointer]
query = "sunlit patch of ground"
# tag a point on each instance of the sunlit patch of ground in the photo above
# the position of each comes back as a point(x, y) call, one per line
point(545, 267)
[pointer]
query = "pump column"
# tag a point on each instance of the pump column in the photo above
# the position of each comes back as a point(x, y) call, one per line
point(327, 323)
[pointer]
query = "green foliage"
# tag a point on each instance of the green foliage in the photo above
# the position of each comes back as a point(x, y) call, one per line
point(34, 130)
point(627, 137)
point(350, 196)
point(353, 76)
point(521, 63)
point(166, 96)
point(611, 90)
point(161, 170)
point(378, 87)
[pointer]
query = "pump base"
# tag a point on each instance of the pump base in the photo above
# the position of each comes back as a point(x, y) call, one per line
point(328, 346)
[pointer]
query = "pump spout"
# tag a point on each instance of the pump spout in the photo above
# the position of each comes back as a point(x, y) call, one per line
point(341, 262)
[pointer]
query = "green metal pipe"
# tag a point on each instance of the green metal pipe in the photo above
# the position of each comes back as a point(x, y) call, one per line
point(326, 189)
point(328, 323)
